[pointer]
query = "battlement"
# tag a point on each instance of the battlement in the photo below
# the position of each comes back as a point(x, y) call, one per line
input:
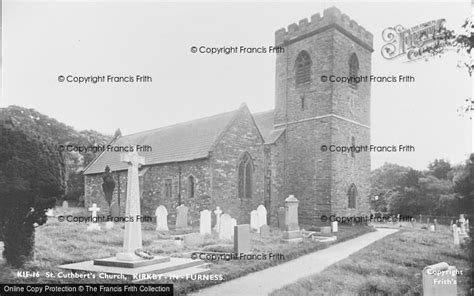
point(332, 17)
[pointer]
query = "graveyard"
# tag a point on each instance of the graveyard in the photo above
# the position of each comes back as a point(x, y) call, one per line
point(397, 270)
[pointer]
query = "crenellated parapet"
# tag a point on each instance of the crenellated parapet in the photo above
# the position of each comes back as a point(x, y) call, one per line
point(332, 18)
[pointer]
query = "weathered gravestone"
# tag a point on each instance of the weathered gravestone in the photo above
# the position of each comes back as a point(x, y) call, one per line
point(292, 231)
point(455, 234)
point(432, 228)
point(254, 221)
point(182, 217)
point(114, 209)
point(225, 229)
point(281, 218)
point(50, 213)
point(205, 222)
point(439, 280)
point(334, 226)
point(262, 215)
point(218, 213)
point(94, 225)
point(65, 204)
point(161, 219)
point(242, 238)
point(264, 231)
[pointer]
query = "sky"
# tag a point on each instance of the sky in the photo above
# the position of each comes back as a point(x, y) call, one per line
point(46, 39)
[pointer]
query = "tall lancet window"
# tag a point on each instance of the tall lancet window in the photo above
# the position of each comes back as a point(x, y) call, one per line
point(351, 196)
point(353, 69)
point(245, 171)
point(303, 68)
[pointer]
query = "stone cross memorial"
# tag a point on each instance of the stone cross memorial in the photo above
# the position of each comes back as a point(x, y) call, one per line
point(94, 225)
point(205, 222)
point(161, 219)
point(133, 230)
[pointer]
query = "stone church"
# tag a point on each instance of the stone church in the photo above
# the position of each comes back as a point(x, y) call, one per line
point(238, 160)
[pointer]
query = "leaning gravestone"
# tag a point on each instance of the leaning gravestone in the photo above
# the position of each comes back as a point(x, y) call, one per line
point(161, 219)
point(182, 217)
point(65, 204)
point(205, 222)
point(242, 238)
point(225, 229)
point(281, 218)
point(254, 221)
point(262, 215)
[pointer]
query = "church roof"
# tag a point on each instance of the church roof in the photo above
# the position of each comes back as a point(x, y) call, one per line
point(264, 121)
point(179, 142)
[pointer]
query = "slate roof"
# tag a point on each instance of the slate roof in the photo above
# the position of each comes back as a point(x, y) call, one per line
point(180, 142)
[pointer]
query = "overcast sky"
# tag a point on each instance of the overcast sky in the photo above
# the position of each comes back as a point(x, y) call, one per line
point(43, 40)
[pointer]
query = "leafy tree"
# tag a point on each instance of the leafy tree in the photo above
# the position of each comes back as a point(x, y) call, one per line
point(31, 178)
point(440, 168)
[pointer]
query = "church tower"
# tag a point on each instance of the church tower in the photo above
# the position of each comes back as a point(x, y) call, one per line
point(318, 114)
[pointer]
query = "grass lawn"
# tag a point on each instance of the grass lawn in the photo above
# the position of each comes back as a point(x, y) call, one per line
point(391, 266)
point(61, 243)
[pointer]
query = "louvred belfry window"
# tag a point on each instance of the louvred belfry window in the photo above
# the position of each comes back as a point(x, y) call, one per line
point(303, 68)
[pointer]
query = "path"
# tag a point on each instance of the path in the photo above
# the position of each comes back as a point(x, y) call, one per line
point(265, 281)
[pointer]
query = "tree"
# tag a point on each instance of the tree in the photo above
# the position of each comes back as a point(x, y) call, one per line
point(439, 168)
point(31, 178)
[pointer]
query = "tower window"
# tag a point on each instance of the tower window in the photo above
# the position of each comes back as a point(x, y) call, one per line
point(353, 69)
point(303, 103)
point(245, 169)
point(351, 196)
point(303, 68)
point(190, 186)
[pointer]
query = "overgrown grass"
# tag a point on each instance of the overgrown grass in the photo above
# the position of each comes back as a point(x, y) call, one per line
point(391, 266)
point(61, 243)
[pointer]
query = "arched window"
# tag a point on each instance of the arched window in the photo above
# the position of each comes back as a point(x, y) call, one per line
point(303, 102)
point(353, 69)
point(351, 196)
point(245, 170)
point(303, 68)
point(190, 187)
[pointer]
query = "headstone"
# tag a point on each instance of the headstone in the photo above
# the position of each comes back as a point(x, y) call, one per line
point(325, 229)
point(218, 213)
point(435, 221)
point(264, 231)
point(65, 204)
point(440, 280)
point(455, 234)
point(182, 217)
point(412, 222)
point(133, 230)
point(262, 215)
point(467, 225)
point(225, 229)
point(50, 213)
point(205, 222)
point(161, 219)
point(334, 226)
point(292, 230)
point(420, 219)
point(94, 225)
point(281, 218)
point(254, 221)
point(432, 228)
point(114, 209)
point(462, 224)
point(109, 225)
point(242, 238)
